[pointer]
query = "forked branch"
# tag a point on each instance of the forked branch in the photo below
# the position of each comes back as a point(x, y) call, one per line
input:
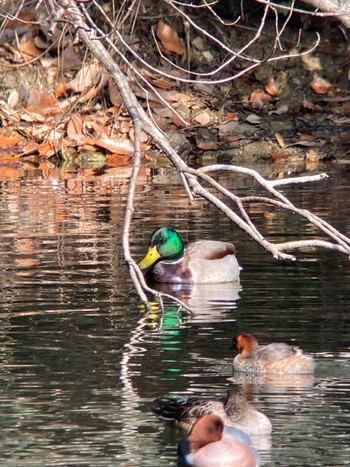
point(197, 182)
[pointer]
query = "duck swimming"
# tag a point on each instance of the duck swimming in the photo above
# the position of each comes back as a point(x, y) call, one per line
point(234, 409)
point(272, 358)
point(203, 261)
point(210, 444)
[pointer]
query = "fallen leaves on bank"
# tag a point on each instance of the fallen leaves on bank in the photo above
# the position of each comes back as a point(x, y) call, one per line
point(79, 118)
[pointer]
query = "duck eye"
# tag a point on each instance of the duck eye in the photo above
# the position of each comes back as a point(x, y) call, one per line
point(163, 240)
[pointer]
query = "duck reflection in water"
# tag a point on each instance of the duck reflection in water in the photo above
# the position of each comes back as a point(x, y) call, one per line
point(210, 443)
point(206, 301)
point(274, 382)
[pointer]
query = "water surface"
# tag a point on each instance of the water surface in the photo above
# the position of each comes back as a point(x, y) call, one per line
point(81, 360)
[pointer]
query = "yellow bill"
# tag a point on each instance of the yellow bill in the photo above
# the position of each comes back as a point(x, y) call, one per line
point(150, 258)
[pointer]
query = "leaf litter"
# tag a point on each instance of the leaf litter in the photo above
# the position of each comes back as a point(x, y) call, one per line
point(62, 105)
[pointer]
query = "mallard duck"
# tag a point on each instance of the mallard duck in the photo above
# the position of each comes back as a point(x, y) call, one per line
point(276, 357)
point(211, 443)
point(203, 261)
point(234, 409)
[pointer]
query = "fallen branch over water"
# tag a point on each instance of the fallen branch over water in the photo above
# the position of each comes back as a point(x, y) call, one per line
point(197, 182)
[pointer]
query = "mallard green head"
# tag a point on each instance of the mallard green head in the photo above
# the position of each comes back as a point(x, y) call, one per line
point(165, 244)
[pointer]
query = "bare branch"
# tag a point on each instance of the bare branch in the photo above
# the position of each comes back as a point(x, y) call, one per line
point(301, 244)
point(129, 212)
point(337, 8)
point(194, 179)
point(340, 9)
point(317, 221)
point(294, 180)
point(252, 62)
point(281, 202)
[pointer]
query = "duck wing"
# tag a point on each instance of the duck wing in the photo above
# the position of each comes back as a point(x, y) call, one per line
point(187, 409)
point(209, 249)
point(276, 351)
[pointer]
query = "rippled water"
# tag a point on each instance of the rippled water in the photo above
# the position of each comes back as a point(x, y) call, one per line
point(81, 361)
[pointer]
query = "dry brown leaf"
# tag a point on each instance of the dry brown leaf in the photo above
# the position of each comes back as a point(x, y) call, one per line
point(163, 112)
point(204, 118)
point(259, 98)
point(279, 155)
point(88, 76)
point(74, 125)
point(143, 136)
point(344, 136)
point(171, 96)
point(48, 62)
point(88, 82)
point(204, 88)
point(92, 92)
point(283, 109)
point(209, 145)
point(305, 137)
point(227, 129)
point(170, 39)
point(8, 117)
point(115, 160)
point(40, 98)
point(162, 83)
point(125, 126)
point(51, 147)
point(6, 141)
point(311, 106)
point(114, 93)
point(233, 138)
point(320, 85)
point(99, 125)
point(88, 147)
point(229, 117)
point(40, 107)
point(180, 123)
point(39, 131)
point(54, 136)
point(280, 139)
point(184, 112)
point(61, 89)
point(29, 147)
point(272, 90)
point(271, 87)
point(22, 16)
point(69, 59)
point(253, 119)
point(13, 99)
point(28, 49)
point(31, 116)
point(305, 144)
point(122, 146)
